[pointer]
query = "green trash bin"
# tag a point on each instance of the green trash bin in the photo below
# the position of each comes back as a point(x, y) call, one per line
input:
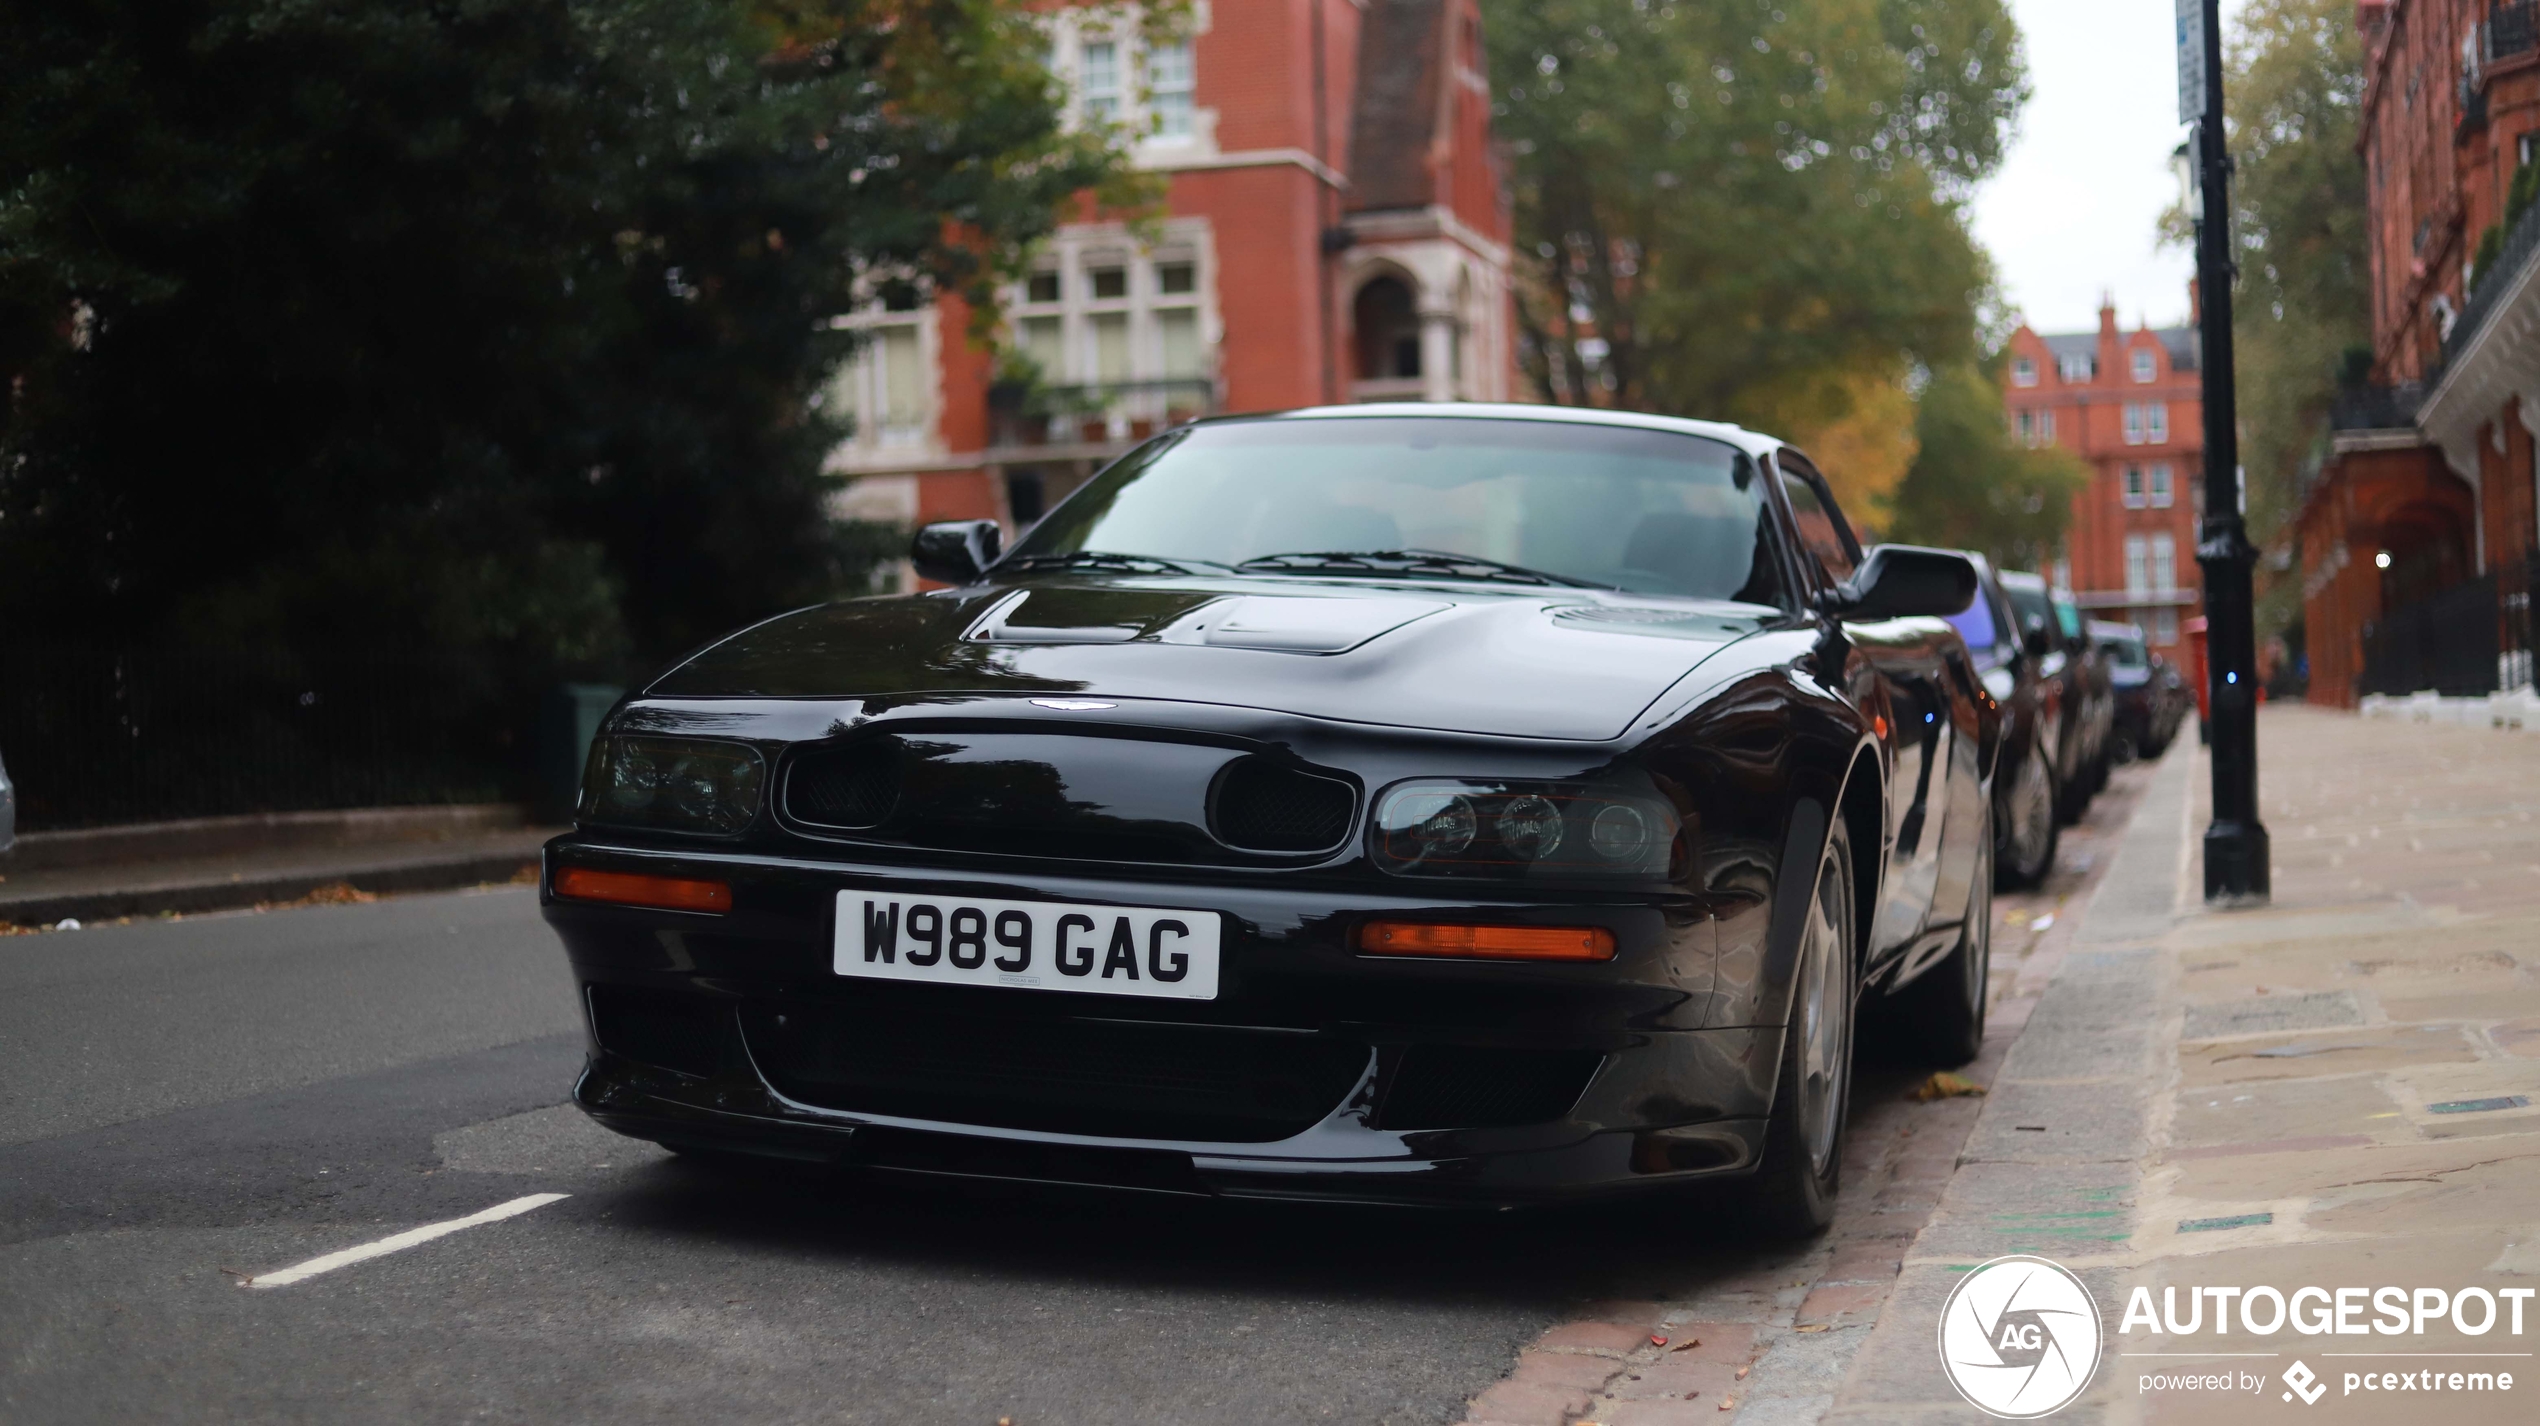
point(568, 720)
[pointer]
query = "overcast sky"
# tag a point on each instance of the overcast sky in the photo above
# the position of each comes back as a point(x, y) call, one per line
point(2070, 215)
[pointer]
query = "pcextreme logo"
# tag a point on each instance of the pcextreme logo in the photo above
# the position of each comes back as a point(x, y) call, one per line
point(2019, 1337)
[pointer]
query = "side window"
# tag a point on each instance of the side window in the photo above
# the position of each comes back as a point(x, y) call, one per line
point(1822, 530)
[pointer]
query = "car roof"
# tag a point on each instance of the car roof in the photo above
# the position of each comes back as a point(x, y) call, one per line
point(1752, 442)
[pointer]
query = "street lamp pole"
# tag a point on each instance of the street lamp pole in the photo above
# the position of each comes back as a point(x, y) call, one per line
point(2236, 857)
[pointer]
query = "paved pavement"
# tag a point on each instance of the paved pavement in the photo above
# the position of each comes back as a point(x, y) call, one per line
point(186, 1104)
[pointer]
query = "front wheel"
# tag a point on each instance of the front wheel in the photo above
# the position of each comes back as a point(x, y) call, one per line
point(1792, 1194)
point(2028, 827)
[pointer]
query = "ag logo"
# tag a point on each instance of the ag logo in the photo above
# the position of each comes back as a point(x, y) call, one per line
point(2019, 1338)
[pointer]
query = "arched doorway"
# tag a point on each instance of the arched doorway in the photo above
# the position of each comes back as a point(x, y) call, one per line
point(1386, 323)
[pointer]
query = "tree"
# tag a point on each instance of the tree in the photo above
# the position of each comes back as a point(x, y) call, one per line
point(2295, 88)
point(1749, 210)
point(1974, 487)
point(497, 325)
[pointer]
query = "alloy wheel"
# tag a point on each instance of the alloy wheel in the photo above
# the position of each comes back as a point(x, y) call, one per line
point(1824, 1021)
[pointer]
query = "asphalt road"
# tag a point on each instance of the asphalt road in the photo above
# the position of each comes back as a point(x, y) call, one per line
point(184, 1103)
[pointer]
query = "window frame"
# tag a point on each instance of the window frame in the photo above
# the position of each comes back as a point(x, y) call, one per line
point(1788, 463)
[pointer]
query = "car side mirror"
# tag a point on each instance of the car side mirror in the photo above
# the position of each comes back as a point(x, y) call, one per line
point(1906, 582)
point(2037, 636)
point(956, 551)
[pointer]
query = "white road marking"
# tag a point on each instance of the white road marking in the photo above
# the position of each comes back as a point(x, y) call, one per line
point(396, 1242)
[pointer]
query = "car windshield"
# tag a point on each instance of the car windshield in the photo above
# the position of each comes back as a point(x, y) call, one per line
point(1975, 625)
point(2068, 615)
point(1653, 512)
point(2129, 653)
point(2028, 601)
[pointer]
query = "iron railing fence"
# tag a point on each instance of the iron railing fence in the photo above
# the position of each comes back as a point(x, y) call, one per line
point(2472, 639)
point(2510, 30)
point(95, 735)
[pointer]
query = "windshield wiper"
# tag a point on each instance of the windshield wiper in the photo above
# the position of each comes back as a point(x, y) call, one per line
point(1433, 564)
point(1095, 559)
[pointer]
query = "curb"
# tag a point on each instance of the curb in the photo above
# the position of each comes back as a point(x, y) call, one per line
point(2055, 1163)
point(188, 897)
point(266, 831)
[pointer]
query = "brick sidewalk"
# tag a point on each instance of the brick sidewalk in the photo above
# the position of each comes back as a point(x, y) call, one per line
point(1769, 1332)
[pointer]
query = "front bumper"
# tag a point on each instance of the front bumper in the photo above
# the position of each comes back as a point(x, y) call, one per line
point(1334, 1044)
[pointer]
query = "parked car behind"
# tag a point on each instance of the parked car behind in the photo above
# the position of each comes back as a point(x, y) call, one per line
point(2099, 694)
point(2064, 667)
point(2024, 821)
point(2151, 694)
point(8, 810)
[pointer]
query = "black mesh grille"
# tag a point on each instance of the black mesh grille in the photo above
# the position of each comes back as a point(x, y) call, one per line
point(1132, 1081)
point(1264, 807)
point(1468, 1087)
point(845, 787)
point(688, 1033)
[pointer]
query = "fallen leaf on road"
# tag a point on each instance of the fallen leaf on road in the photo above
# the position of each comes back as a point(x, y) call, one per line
point(1742, 1371)
point(1688, 1342)
point(1657, 1341)
point(1814, 1327)
point(1729, 1405)
point(1944, 1085)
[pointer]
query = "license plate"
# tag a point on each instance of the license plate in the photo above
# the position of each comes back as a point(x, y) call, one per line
point(1029, 945)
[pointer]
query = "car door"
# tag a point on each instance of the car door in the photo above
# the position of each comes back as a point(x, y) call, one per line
point(1907, 691)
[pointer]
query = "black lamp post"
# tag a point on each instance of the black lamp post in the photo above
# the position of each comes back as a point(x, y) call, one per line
point(2236, 858)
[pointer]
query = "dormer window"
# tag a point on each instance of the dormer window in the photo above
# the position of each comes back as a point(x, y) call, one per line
point(2144, 367)
point(2023, 372)
point(2077, 366)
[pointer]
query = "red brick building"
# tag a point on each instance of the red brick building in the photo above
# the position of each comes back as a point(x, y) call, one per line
point(2429, 478)
point(2127, 403)
point(1336, 229)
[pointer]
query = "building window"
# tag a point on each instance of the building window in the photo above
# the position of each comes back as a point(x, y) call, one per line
point(2143, 365)
point(1098, 82)
point(1102, 316)
point(2156, 424)
point(2523, 148)
point(2134, 487)
point(2164, 563)
point(2037, 428)
point(2138, 580)
point(2023, 372)
point(2161, 487)
point(885, 391)
point(2164, 627)
point(1169, 89)
point(2133, 424)
point(2063, 574)
point(2077, 366)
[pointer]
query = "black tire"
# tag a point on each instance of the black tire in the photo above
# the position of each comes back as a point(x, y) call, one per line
point(2027, 826)
point(1792, 1193)
point(1939, 1019)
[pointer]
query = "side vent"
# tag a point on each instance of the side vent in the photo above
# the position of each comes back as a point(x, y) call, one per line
point(1263, 806)
point(855, 786)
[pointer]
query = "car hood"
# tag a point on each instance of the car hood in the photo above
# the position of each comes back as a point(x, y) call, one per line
point(1536, 663)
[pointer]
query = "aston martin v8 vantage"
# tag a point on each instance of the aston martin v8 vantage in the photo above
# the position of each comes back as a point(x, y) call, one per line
point(1454, 805)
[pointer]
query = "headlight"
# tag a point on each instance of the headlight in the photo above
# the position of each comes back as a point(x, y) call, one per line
point(678, 784)
point(1526, 830)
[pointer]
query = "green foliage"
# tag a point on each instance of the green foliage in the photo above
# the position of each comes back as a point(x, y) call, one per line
point(2295, 88)
point(1973, 486)
point(2519, 195)
point(2491, 245)
point(487, 324)
point(1752, 204)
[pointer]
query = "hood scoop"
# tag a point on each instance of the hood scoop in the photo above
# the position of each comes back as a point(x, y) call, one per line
point(1272, 623)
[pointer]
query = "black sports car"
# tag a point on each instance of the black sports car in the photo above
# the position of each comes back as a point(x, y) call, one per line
point(1462, 805)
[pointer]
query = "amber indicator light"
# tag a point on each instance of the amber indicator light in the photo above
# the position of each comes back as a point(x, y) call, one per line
point(1499, 943)
point(668, 893)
